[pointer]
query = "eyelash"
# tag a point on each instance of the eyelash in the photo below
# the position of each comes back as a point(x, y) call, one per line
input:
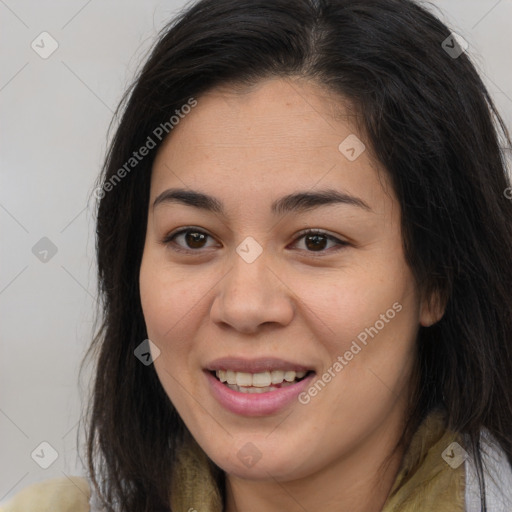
point(169, 240)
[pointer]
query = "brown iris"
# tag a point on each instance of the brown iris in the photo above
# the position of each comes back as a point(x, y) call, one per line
point(195, 239)
point(317, 241)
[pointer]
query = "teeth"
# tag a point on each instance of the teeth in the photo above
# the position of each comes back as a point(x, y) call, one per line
point(277, 376)
point(243, 379)
point(258, 380)
point(261, 380)
point(251, 390)
point(289, 376)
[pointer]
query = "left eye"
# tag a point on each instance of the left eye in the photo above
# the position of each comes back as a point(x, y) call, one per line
point(315, 240)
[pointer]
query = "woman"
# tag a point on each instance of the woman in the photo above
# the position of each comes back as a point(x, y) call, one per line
point(304, 247)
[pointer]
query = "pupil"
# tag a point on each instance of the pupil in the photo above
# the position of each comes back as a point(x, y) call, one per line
point(318, 241)
point(194, 239)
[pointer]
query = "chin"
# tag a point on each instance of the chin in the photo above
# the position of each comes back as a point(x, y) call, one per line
point(250, 463)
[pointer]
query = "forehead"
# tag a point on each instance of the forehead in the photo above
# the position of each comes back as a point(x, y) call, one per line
point(279, 134)
point(276, 113)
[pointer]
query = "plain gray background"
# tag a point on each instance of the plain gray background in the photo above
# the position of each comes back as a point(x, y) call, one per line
point(55, 112)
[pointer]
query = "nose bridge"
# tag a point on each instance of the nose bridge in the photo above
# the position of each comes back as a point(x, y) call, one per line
point(250, 293)
point(248, 282)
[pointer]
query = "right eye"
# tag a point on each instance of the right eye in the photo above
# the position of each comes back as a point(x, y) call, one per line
point(193, 238)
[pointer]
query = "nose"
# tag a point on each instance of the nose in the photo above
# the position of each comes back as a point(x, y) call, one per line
point(252, 295)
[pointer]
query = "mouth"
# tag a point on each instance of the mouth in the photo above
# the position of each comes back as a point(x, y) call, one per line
point(257, 387)
point(262, 382)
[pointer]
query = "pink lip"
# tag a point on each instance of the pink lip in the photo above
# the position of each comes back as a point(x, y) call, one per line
point(256, 404)
point(263, 364)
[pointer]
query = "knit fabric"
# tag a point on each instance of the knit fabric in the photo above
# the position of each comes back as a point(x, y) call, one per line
point(426, 480)
point(54, 495)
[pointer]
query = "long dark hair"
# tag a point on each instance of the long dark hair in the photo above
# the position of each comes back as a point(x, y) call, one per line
point(426, 116)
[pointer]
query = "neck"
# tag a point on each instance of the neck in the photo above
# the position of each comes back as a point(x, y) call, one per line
point(357, 482)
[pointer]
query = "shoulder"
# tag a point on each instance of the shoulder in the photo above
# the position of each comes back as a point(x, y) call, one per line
point(67, 494)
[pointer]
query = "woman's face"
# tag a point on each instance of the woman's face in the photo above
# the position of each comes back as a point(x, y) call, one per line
point(247, 296)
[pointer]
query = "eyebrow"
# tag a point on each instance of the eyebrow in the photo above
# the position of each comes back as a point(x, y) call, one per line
point(296, 202)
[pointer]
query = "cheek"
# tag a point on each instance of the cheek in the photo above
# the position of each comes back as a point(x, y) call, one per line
point(168, 299)
point(175, 304)
point(343, 305)
point(375, 337)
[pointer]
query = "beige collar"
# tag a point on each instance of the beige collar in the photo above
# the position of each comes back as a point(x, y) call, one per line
point(425, 481)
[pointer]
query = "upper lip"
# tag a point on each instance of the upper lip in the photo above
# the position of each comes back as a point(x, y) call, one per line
point(262, 364)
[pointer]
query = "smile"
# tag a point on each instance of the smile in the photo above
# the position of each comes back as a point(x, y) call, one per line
point(262, 382)
point(256, 387)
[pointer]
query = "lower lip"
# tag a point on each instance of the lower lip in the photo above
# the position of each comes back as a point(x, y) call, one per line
point(256, 404)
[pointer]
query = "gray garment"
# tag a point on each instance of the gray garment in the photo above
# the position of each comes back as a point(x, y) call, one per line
point(497, 476)
point(94, 503)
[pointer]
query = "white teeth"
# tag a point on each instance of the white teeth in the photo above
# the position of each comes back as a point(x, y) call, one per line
point(261, 380)
point(289, 376)
point(243, 379)
point(251, 390)
point(277, 376)
point(258, 380)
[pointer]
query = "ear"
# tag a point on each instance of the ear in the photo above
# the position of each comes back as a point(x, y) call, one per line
point(432, 308)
